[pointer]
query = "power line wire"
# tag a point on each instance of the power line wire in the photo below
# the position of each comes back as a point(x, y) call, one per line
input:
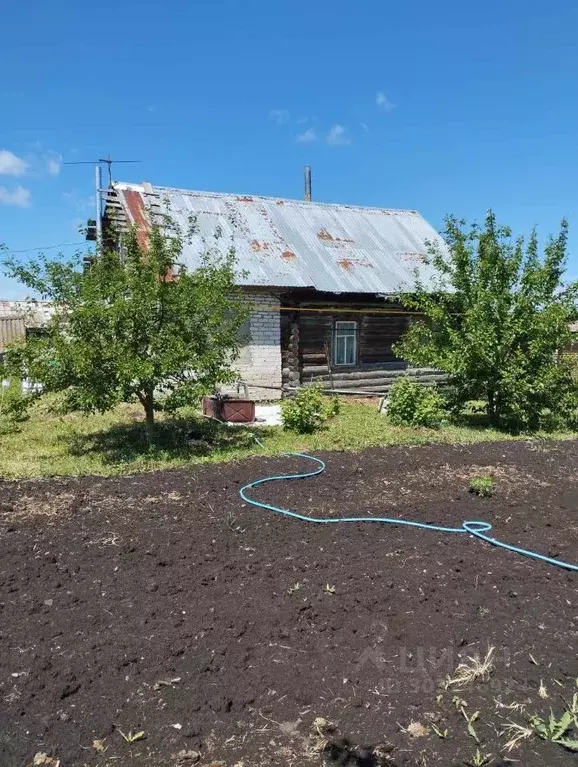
point(46, 247)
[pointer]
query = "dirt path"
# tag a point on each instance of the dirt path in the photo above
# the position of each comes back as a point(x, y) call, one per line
point(160, 603)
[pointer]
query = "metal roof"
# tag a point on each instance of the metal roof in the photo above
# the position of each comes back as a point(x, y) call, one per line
point(36, 314)
point(11, 329)
point(293, 243)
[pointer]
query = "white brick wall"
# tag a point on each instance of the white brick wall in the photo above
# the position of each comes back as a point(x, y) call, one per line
point(259, 364)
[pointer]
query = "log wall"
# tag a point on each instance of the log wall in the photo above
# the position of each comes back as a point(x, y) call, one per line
point(307, 346)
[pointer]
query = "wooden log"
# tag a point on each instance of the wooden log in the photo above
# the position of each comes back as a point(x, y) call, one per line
point(363, 383)
point(321, 371)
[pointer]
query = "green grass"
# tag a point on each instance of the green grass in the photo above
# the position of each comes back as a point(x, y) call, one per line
point(482, 486)
point(48, 444)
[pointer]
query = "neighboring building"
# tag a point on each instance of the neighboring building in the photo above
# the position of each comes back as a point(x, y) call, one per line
point(572, 349)
point(323, 278)
point(19, 318)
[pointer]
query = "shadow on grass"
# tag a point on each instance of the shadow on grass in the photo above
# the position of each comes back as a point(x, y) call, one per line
point(127, 443)
point(477, 421)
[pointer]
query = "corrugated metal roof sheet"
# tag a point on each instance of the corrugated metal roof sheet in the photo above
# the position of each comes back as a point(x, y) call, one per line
point(36, 314)
point(11, 329)
point(293, 243)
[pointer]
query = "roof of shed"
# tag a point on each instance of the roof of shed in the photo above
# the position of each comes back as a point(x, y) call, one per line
point(293, 243)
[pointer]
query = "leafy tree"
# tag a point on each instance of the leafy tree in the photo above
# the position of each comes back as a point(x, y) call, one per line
point(134, 325)
point(494, 320)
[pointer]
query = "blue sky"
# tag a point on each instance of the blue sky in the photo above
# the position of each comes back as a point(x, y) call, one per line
point(446, 107)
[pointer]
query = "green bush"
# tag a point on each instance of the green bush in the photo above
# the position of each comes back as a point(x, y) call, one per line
point(305, 412)
point(412, 404)
point(482, 486)
point(13, 402)
point(332, 407)
point(14, 405)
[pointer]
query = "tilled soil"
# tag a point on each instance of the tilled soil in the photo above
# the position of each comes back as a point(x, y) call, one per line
point(162, 604)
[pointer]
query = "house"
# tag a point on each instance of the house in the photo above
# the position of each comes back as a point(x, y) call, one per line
point(323, 280)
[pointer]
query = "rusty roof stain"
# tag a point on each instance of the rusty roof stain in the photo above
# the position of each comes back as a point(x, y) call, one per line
point(296, 244)
point(138, 215)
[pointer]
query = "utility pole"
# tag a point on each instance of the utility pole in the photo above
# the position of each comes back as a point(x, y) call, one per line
point(97, 197)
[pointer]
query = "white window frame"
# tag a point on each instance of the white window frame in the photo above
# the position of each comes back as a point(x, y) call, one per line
point(343, 329)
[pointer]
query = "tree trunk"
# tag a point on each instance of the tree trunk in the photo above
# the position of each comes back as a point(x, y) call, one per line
point(493, 414)
point(148, 404)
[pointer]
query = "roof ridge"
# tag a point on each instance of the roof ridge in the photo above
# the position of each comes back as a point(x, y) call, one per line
point(256, 197)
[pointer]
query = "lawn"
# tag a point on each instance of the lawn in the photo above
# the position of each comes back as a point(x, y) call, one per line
point(156, 619)
point(49, 444)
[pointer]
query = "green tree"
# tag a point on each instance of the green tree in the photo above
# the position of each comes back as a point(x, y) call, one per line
point(134, 325)
point(494, 320)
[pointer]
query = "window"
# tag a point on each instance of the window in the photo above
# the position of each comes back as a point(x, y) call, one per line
point(345, 343)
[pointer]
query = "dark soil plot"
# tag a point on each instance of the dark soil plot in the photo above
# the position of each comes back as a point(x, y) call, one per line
point(161, 604)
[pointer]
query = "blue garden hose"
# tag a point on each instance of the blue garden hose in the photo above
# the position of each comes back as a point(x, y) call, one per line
point(473, 527)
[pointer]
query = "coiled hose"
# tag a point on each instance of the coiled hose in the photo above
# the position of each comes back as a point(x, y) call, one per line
point(474, 527)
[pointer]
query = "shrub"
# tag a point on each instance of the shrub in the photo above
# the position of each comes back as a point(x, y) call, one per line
point(305, 412)
point(412, 404)
point(482, 486)
point(13, 402)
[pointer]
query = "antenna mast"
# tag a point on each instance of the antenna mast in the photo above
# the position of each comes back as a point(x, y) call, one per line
point(108, 161)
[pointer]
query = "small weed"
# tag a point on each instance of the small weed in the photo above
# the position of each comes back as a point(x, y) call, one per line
point(294, 588)
point(132, 737)
point(482, 486)
point(555, 730)
point(477, 669)
point(479, 759)
point(461, 705)
point(440, 733)
point(470, 719)
point(542, 691)
point(329, 589)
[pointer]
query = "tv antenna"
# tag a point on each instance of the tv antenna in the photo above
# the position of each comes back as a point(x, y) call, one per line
point(108, 161)
point(102, 160)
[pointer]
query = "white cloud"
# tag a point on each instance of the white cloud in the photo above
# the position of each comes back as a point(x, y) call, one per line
point(279, 116)
point(308, 136)
point(19, 196)
point(338, 136)
point(383, 102)
point(11, 165)
point(53, 163)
